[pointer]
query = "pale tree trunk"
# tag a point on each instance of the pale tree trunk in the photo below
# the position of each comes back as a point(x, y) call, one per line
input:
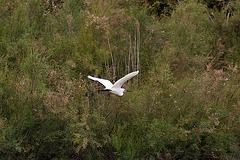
point(129, 56)
point(113, 64)
point(138, 46)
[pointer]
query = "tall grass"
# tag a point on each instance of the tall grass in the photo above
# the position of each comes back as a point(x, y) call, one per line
point(184, 105)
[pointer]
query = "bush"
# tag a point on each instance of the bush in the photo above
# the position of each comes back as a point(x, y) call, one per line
point(184, 103)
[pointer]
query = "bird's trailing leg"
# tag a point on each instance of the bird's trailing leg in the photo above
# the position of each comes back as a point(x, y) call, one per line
point(103, 90)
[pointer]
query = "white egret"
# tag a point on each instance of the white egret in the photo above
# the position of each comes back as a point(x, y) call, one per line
point(116, 87)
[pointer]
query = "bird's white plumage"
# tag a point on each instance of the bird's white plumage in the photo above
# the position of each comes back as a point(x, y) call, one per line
point(120, 82)
point(104, 82)
point(116, 87)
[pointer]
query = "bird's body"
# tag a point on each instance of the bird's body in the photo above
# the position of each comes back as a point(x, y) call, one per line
point(118, 91)
point(116, 87)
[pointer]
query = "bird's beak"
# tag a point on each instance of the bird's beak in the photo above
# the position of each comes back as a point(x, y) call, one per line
point(127, 90)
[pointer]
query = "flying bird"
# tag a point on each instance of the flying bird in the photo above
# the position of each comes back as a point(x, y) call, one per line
point(116, 87)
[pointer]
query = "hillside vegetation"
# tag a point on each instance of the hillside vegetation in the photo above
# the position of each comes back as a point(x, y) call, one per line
point(184, 103)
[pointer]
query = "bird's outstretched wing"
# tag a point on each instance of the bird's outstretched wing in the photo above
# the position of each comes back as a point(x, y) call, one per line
point(120, 82)
point(105, 82)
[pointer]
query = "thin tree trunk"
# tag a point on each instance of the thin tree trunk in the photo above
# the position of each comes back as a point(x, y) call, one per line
point(134, 51)
point(138, 46)
point(130, 50)
point(126, 65)
point(118, 68)
point(113, 64)
point(132, 57)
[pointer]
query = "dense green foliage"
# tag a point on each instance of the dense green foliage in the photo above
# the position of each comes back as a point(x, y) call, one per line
point(184, 103)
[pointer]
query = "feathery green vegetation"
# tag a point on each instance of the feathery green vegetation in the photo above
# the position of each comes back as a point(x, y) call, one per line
point(184, 103)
